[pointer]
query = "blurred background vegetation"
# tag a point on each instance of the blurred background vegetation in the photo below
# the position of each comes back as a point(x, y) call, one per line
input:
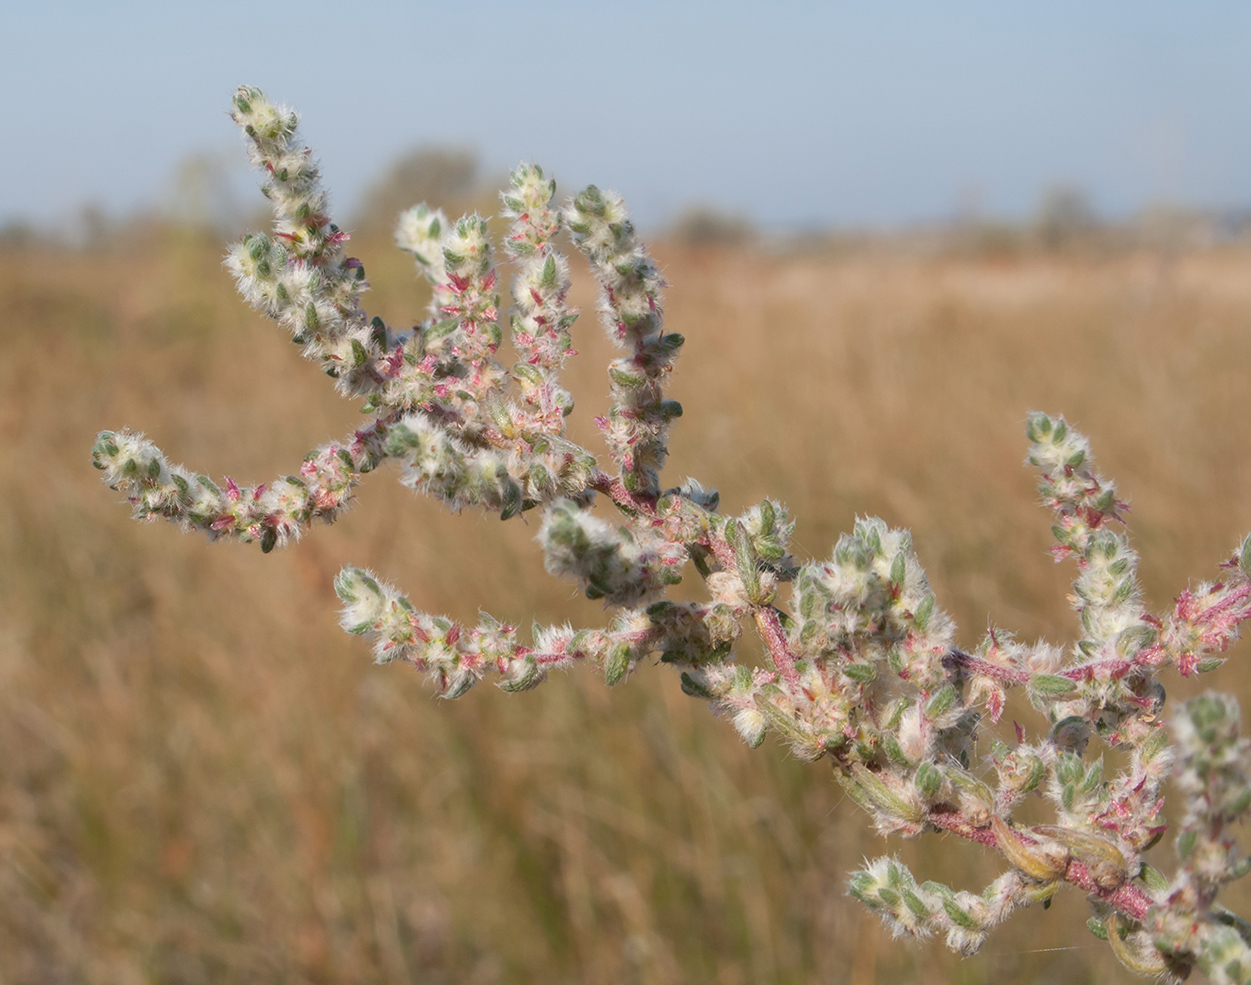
point(205, 780)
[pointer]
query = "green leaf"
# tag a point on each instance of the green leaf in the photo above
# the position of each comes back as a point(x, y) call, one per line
point(617, 663)
point(1093, 778)
point(915, 904)
point(959, 916)
point(670, 409)
point(928, 780)
point(628, 381)
point(511, 500)
point(744, 559)
point(1069, 768)
point(1037, 770)
point(670, 342)
point(894, 750)
point(1153, 878)
point(941, 701)
point(860, 673)
point(970, 784)
point(883, 797)
point(1051, 685)
point(695, 688)
point(1186, 844)
point(1154, 744)
point(528, 678)
point(921, 618)
point(861, 885)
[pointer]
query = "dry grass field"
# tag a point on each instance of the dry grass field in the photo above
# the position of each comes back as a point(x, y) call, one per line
point(203, 779)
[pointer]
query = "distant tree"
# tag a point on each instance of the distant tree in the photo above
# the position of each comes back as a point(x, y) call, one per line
point(18, 234)
point(704, 225)
point(202, 193)
point(447, 177)
point(1064, 215)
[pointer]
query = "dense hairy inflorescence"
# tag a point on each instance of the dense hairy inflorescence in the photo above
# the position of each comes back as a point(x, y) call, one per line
point(862, 667)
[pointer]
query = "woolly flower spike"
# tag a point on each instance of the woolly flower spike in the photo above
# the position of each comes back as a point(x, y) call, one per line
point(1212, 771)
point(442, 465)
point(613, 563)
point(887, 887)
point(541, 319)
point(295, 180)
point(446, 366)
point(454, 659)
point(461, 474)
point(769, 529)
point(529, 204)
point(1106, 591)
point(470, 303)
point(639, 417)
point(872, 599)
point(419, 231)
point(274, 513)
point(457, 657)
point(1206, 621)
point(299, 277)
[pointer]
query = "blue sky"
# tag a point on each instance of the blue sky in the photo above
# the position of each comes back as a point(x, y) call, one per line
point(803, 114)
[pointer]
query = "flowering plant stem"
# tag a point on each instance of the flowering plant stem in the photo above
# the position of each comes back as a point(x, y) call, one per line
point(861, 664)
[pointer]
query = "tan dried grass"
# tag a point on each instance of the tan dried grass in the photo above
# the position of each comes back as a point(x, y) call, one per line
point(204, 780)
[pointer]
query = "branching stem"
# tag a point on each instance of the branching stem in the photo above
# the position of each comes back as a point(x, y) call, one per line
point(1127, 898)
point(769, 626)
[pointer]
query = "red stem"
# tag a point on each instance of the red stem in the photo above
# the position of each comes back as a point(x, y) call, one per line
point(1005, 675)
point(769, 626)
point(1128, 898)
point(615, 490)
